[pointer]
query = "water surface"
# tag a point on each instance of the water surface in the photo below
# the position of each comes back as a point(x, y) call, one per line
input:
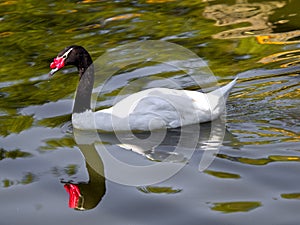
point(255, 175)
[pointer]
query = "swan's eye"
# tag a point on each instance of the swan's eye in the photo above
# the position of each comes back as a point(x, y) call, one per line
point(65, 55)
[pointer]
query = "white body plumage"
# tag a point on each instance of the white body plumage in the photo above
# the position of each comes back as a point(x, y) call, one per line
point(156, 108)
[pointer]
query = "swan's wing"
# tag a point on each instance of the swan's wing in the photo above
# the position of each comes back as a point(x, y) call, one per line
point(163, 107)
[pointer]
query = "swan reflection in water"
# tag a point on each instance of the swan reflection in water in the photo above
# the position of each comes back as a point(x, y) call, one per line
point(87, 195)
point(169, 146)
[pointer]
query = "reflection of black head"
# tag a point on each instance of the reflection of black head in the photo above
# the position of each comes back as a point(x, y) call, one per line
point(85, 196)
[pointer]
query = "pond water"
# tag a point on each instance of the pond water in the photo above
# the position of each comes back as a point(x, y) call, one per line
point(254, 176)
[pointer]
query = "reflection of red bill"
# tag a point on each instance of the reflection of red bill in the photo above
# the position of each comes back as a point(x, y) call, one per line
point(74, 194)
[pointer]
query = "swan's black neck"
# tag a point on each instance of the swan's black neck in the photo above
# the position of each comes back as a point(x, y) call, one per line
point(85, 67)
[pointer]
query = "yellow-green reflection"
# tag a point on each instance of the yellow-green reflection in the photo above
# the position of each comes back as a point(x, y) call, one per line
point(27, 178)
point(14, 124)
point(295, 196)
point(222, 175)
point(287, 58)
point(71, 169)
point(4, 154)
point(261, 161)
point(256, 14)
point(280, 38)
point(56, 121)
point(234, 207)
point(237, 17)
point(30, 177)
point(158, 190)
point(53, 144)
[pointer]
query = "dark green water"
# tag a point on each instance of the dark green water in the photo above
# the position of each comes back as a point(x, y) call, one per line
point(255, 175)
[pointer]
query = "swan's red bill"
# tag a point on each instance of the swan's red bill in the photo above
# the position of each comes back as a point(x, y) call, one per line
point(57, 64)
point(74, 195)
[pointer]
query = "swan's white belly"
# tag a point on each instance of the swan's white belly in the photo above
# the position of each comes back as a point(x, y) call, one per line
point(151, 109)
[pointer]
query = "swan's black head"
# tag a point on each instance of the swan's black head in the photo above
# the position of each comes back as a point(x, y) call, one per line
point(73, 55)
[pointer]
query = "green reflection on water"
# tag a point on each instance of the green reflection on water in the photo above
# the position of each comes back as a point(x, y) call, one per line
point(27, 178)
point(13, 154)
point(54, 144)
point(261, 161)
point(71, 169)
point(295, 196)
point(234, 207)
point(158, 190)
point(14, 124)
point(33, 32)
point(223, 175)
point(56, 121)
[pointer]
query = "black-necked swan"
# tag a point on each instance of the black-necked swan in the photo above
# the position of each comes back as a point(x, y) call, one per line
point(150, 109)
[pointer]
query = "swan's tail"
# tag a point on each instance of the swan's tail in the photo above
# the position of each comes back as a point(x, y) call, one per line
point(225, 90)
point(217, 98)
